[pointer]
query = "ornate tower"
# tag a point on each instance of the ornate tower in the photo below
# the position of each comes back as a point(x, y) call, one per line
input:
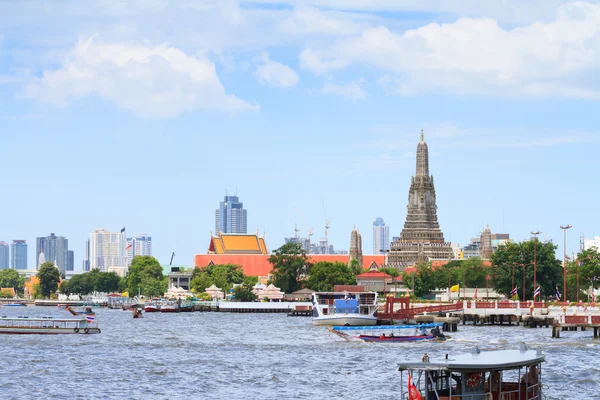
point(486, 243)
point(355, 252)
point(421, 238)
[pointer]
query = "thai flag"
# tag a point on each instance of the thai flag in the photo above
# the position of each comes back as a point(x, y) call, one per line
point(557, 293)
point(537, 292)
point(514, 291)
point(130, 245)
point(90, 318)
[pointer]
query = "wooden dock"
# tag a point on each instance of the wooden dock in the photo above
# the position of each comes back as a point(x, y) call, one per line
point(575, 322)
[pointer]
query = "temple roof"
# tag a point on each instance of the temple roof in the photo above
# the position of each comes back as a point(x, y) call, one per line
point(231, 243)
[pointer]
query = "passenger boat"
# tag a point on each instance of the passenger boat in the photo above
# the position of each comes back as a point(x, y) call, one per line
point(14, 305)
point(152, 307)
point(344, 308)
point(480, 375)
point(168, 306)
point(47, 326)
point(186, 306)
point(387, 334)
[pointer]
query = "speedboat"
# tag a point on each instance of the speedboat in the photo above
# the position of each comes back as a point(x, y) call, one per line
point(344, 308)
point(153, 306)
point(479, 375)
point(48, 325)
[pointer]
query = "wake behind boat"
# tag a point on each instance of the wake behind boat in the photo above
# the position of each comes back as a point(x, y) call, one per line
point(345, 308)
point(386, 333)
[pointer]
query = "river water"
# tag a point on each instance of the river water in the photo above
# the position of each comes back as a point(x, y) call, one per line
point(252, 356)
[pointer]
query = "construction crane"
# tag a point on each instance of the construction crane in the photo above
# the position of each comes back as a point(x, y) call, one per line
point(172, 256)
point(310, 231)
point(296, 230)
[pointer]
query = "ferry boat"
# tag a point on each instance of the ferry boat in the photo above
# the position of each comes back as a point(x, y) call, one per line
point(153, 306)
point(169, 306)
point(344, 308)
point(480, 375)
point(48, 326)
point(80, 311)
point(390, 333)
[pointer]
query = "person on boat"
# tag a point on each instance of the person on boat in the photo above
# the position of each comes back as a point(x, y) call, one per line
point(531, 378)
point(382, 336)
point(392, 334)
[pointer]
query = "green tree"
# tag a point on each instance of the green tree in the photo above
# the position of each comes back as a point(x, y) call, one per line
point(324, 275)
point(520, 256)
point(200, 281)
point(153, 287)
point(10, 278)
point(447, 275)
point(5, 294)
point(224, 276)
point(290, 267)
point(49, 277)
point(472, 272)
point(355, 266)
point(243, 293)
point(390, 271)
point(143, 273)
point(422, 278)
point(589, 269)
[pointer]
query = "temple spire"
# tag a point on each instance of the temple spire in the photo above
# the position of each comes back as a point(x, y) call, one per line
point(422, 157)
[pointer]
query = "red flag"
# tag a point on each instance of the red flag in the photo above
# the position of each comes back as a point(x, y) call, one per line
point(413, 393)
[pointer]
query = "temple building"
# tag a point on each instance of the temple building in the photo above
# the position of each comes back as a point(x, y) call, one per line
point(421, 239)
point(355, 252)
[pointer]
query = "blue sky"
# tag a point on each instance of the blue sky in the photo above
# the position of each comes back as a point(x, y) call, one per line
point(141, 114)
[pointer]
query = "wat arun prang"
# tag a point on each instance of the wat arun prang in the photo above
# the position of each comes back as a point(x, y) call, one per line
point(421, 239)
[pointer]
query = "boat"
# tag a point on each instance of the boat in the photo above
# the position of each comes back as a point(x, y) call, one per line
point(137, 313)
point(344, 308)
point(168, 306)
point(48, 325)
point(14, 305)
point(153, 306)
point(386, 333)
point(186, 306)
point(80, 311)
point(479, 375)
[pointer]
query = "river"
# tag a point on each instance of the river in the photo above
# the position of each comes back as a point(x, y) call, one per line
point(252, 356)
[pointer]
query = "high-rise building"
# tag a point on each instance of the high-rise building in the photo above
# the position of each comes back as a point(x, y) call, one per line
point(18, 250)
point(55, 249)
point(231, 217)
point(86, 259)
point(589, 243)
point(4, 258)
point(381, 237)
point(70, 261)
point(140, 245)
point(107, 251)
point(421, 238)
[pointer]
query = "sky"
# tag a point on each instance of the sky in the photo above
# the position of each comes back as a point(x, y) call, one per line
point(142, 114)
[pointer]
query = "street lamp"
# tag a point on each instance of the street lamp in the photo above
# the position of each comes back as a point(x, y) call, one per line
point(534, 260)
point(564, 228)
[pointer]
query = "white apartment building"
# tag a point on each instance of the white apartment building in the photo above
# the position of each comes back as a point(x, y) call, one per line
point(589, 243)
point(140, 245)
point(107, 251)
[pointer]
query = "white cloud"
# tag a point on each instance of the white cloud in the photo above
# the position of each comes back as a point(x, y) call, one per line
point(153, 81)
point(272, 73)
point(312, 21)
point(478, 56)
point(353, 90)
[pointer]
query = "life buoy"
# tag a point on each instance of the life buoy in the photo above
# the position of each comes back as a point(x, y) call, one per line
point(76, 330)
point(87, 330)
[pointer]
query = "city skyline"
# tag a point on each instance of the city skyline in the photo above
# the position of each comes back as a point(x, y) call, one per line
point(304, 107)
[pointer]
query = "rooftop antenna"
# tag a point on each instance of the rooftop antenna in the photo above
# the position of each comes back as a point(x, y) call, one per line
point(326, 221)
point(296, 230)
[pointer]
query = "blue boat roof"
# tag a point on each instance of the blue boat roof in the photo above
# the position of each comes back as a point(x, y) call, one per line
point(386, 327)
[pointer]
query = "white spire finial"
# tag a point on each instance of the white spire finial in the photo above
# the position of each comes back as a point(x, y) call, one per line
point(422, 135)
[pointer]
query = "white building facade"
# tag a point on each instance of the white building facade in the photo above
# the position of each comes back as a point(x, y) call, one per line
point(140, 245)
point(589, 243)
point(381, 236)
point(107, 251)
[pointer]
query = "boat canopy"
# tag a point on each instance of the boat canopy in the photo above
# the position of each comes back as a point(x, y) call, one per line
point(480, 361)
point(386, 327)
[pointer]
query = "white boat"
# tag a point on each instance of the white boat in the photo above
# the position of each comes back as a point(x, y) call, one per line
point(344, 308)
point(479, 375)
point(47, 326)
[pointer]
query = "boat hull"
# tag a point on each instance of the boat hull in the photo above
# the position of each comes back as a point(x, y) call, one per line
point(46, 331)
point(372, 338)
point(151, 309)
point(170, 309)
point(345, 320)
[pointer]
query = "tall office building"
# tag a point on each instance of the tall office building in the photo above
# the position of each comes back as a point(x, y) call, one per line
point(56, 250)
point(70, 261)
point(231, 217)
point(421, 238)
point(18, 250)
point(381, 237)
point(107, 251)
point(140, 245)
point(4, 258)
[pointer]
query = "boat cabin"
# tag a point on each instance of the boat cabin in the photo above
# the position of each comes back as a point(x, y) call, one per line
point(329, 303)
point(480, 375)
